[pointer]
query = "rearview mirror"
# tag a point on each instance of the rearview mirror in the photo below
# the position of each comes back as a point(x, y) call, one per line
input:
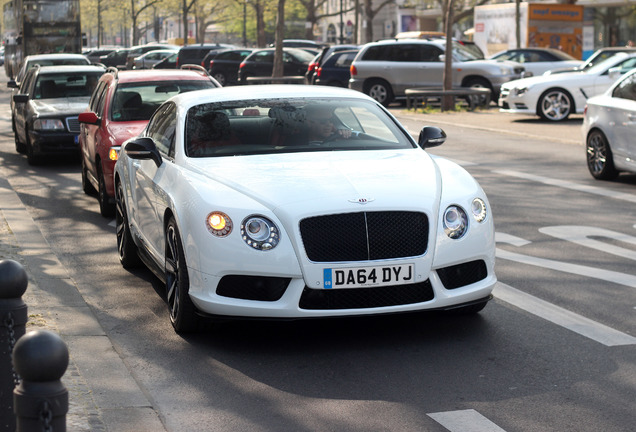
point(143, 148)
point(89, 118)
point(615, 73)
point(12, 84)
point(21, 98)
point(431, 136)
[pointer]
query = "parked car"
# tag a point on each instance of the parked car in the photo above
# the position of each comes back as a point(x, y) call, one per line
point(598, 56)
point(47, 106)
point(151, 58)
point(138, 50)
point(335, 70)
point(537, 61)
point(322, 56)
point(93, 55)
point(115, 58)
point(555, 97)
point(260, 63)
point(194, 54)
point(385, 69)
point(609, 125)
point(41, 60)
point(225, 65)
point(242, 225)
point(119, 109)
point(169, 62)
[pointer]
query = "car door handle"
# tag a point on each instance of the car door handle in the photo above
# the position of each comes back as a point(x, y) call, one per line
point(136, 164)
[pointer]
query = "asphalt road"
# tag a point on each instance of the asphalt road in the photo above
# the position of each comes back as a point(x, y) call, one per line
point(554, 351)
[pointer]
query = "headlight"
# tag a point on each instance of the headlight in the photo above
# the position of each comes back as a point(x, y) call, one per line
point(455, 222)
point(479, 209)
point(260, 233)
point(113, 153)
point(48, 124)
point(219, 224)
point(520, 91)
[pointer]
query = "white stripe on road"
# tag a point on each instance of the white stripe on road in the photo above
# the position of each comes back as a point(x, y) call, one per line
point(562, 317)
point(465, 421)
point(571, 185)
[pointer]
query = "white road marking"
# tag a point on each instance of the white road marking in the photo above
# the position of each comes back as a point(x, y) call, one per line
point(581, 236)
point(562, 317)
point(571, 185)
point(465, 421)
point(587, 271)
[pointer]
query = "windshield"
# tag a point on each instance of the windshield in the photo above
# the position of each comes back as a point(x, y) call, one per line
point(626, 64)
point(63, 85)
point(138, 101)
point(290, 125)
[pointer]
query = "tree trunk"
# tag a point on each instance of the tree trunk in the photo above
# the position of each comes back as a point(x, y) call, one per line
point(448, 101)
point(277, 71)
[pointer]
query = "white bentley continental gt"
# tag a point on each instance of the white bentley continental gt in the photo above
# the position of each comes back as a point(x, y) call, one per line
point(297, 202)
point(555, 97)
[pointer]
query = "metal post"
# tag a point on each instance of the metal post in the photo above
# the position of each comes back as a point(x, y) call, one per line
point(41, 400)
point(13, 316)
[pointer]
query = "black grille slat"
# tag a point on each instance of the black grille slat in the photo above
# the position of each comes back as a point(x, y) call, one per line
point(73, 125)
point(363, 298)
point(365, 236)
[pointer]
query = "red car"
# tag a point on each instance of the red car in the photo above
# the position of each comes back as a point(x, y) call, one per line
point(119, 109)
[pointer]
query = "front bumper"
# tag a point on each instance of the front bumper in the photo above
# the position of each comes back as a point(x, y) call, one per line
point(53, 143)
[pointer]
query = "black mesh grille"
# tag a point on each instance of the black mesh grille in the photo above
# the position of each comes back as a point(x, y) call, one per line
point(365, 236)
point(361, 298)
point(252, 287)
point(463, 274)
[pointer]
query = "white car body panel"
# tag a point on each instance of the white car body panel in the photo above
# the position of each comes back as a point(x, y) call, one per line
point(287, 188)
point(616, 118)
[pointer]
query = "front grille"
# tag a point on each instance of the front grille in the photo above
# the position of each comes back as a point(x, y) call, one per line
point(463, 274)
point(252, 287)
point(73, 124)
point(365, 236)
point(363, 298)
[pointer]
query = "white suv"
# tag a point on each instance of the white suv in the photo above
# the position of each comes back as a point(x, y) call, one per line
point(384, 69)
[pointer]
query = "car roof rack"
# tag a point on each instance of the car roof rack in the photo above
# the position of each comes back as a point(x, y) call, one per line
point(194, 67)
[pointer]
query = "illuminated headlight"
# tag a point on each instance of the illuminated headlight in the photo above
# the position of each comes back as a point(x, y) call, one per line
point(520, 91)
point(455, 222)
point(219, 224)
point(260, 233)
point(48, 124)
point(113, 153)
point(479, 209)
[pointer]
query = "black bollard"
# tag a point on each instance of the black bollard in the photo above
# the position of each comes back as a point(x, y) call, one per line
point(40, 401)
point(13, 319)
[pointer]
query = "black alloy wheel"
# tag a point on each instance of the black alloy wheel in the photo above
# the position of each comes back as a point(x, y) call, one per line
point(600, 161)
point(126, 248)
point(183, 314)
point(106, 208)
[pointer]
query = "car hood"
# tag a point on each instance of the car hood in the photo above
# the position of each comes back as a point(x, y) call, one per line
point(308, 183)
point(121, 131)
point(62, 106)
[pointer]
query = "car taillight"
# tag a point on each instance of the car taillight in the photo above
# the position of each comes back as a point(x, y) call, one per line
point(178, 62)
point(241, 65)
point(585, 110)
point(311, 67)
point(211, 63)
point(318, 71)
point(353, 70)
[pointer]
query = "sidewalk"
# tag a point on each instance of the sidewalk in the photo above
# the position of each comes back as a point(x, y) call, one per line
point(103, 395)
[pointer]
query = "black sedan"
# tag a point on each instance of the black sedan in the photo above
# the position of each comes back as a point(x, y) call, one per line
point(225, 65)
point(335, 70)
point(46, 109)
point(261, 64)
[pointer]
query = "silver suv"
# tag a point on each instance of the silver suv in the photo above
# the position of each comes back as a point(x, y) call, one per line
point(384, 69)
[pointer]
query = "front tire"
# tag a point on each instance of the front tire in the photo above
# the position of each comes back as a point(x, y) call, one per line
point(380, 90)
point(220, 77)
point(87, 186)
point(600, 160)
point(126, 247)
point(555, 105)
point(32, 158)
point(182, 311)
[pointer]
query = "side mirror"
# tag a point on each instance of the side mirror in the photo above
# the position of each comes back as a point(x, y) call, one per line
point(21, 98)
point(431, 136)
point(143, 148)
point(12, 84)
point(89, 118)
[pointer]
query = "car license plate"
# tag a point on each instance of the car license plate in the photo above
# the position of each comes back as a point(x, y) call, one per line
point(368, 276)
